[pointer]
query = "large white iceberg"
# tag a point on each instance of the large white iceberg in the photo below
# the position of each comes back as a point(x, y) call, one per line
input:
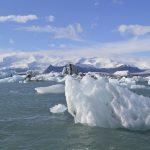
point(101, 103)
point(58, 88)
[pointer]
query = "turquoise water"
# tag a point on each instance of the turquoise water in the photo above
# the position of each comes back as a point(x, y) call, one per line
point(27, 124)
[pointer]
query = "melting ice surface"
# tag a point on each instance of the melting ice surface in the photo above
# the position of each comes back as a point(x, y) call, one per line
point(58, 88)
point(60, 108)
point(106, 104)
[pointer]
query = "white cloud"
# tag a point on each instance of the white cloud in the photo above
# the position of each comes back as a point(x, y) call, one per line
point(50, 18)
point(136, 30)
point(18, 18)
point(118, 2)
point(72, 31)
point(34, 28)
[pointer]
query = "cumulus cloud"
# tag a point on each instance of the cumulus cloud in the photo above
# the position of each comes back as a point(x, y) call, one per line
point(136, 30)
point(18, 18)
point(50, 18)
point(72, 31)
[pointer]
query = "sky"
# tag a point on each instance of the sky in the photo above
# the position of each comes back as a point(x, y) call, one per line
point(93, 27)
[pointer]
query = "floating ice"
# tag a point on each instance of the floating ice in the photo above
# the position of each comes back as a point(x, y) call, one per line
point(15, 78)
point(60, 108)
point(5, 74)
point(138, 87)
point(101, 103)
point(44, 77)
point(49, 77)
point(122, 73)
point(58, 88)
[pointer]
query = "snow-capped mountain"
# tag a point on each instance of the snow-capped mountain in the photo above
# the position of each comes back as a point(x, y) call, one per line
point(41, 60)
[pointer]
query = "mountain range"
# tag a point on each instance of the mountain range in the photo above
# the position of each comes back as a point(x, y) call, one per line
point(45, 62)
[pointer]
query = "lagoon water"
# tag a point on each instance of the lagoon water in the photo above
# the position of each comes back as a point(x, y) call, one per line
point(27, 124)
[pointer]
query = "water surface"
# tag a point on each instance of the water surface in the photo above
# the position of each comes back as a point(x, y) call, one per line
point(27, 124)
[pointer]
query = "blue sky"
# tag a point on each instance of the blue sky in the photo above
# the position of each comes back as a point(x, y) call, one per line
point(99, 26)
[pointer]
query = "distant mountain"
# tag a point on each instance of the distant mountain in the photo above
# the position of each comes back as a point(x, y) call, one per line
point(45, 62)
point(93, 69)
point(54, 69)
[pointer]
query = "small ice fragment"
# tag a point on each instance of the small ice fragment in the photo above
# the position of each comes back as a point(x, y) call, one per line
point(60, 108)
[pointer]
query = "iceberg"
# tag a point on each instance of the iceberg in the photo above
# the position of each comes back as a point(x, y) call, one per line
point(56, 89)
point(106, 104)
point(60, 108)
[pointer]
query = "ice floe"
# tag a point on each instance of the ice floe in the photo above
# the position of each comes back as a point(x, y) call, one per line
point(56, 89)
point(60, 108)
point(15, 78)
point(106, 104)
